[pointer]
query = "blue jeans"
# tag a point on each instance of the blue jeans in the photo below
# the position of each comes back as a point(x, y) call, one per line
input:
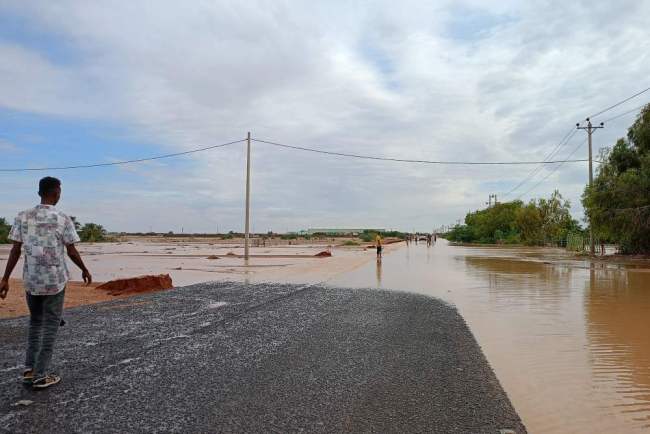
point(45, 313)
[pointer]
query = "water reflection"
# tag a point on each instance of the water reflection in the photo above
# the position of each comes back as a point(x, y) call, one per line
point(378, 272)
point(570, 343)
point(538, 284)
point(617, 310)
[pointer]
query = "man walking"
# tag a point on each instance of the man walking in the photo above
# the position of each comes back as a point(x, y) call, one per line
point(45, 233)
point(378, 245)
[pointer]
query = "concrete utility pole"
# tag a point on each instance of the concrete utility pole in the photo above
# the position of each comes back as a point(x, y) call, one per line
point(248, 196)
point(590, 130)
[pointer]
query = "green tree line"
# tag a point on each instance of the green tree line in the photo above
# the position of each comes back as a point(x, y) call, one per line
point(89, 232)
point(539, 222)
point(618, 203)
point(4, 231)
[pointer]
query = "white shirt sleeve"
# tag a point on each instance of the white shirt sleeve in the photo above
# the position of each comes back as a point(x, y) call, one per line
point(16, 233)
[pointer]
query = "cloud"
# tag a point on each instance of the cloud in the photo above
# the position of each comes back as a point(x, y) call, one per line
point(505, 83)
point(7, 146)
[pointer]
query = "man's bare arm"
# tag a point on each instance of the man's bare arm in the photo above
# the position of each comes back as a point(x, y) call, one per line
point(14, 256)
point(74, 255)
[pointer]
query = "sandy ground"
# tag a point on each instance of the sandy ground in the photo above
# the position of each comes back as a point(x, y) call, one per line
point(187, 262)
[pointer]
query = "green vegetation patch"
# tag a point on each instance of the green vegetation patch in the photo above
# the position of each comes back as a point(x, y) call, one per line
point(540, 222)
point(618, 203)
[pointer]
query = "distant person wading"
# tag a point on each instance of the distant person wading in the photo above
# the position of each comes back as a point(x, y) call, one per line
point(379, 246)
point(45, 233)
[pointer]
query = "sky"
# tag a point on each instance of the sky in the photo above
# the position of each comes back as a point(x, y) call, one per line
point(96, 82)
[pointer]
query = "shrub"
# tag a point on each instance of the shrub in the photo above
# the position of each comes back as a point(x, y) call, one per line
point(92, 232)
point(4, 231)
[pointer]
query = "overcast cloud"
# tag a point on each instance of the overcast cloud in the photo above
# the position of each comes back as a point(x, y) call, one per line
point(445, 80)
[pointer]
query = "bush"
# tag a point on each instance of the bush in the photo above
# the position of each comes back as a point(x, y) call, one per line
point(350, 243)
point(4, 231)
point(537, 223)
point(92, 232)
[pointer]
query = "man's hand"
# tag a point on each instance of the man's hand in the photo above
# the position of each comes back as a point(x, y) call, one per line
point(4, 288)
point(88, 279)
point(76, 258)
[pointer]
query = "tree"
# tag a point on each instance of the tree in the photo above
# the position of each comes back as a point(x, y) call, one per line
point(4, 231)
point(92, 232)
point(556, 218)
point(618, 203)
point(77, 225)
point(537, 223)
point(530, 222)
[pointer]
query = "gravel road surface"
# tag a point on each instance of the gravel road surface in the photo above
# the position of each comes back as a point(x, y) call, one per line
point(231, 357)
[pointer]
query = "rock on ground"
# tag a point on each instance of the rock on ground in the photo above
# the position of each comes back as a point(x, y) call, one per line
point(231, 357)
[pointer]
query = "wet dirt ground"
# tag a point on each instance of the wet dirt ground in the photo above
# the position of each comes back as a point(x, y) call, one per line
point(569, 340)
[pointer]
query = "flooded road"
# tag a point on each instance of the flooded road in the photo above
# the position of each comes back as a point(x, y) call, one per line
point(570, 342)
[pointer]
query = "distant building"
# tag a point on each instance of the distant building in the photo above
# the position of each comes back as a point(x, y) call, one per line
point(339, 231)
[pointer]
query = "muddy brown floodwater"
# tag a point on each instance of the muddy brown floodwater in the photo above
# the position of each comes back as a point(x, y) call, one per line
point(569, 340)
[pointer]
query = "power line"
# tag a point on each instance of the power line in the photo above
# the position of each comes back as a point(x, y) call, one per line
point(569, 135)
point(634, 110)
point(552, 171)
point(620, 102)
point(550, 155)
point(403, 160)
point(116, 163)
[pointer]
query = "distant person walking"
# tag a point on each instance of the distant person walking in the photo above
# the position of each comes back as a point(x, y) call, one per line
point(45, 233)
point(379, 246)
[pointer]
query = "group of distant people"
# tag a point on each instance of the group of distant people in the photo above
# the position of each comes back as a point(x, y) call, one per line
point(414, 238)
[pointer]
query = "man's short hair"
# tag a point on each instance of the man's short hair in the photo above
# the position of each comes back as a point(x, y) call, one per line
point(48, 185)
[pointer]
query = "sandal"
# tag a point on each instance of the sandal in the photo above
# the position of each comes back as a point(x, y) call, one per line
point(45, 382)
point(28, 376)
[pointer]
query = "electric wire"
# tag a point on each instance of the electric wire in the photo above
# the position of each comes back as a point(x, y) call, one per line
point(634, 110)
point(404, 160)
point(547, 160)
point(555, 168)
point(116, 163)
point(568, 136)
point(620, 102)
point(538, 169)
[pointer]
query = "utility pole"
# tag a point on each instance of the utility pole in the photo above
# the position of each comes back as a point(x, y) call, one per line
point(590, 130)
point(248, 196)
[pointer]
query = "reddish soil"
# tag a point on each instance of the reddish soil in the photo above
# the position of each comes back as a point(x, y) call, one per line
point(138, 284)
point(76, 294)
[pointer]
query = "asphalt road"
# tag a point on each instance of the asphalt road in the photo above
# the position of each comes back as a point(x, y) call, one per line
point(231, 357)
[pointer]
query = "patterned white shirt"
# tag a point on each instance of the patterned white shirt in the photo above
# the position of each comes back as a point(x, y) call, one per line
point(44, 232)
